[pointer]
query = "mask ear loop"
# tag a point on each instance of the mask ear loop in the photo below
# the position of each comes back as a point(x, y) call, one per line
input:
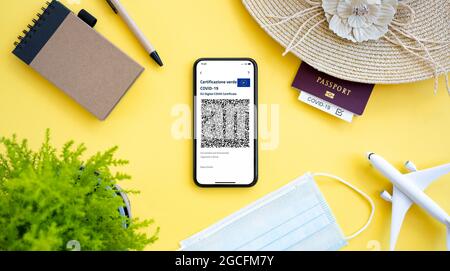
point(372, 205)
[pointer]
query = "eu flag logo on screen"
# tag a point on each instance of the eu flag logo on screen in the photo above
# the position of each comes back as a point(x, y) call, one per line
point(243, 82)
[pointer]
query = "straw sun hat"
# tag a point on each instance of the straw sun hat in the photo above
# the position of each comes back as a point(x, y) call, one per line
point(369, 41)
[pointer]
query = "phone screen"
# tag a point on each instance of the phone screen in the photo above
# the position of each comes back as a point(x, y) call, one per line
point(225, 132)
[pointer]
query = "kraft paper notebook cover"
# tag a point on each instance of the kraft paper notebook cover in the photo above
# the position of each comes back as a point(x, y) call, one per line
point(78, 60)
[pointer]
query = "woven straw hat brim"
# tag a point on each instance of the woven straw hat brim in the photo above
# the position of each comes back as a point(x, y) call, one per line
point(379, 62)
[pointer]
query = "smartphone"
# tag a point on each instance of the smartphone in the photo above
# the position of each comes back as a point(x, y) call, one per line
point(225, 122)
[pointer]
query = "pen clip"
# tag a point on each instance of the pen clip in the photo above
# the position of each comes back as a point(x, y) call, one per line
point(87, 18)
point(112, 6)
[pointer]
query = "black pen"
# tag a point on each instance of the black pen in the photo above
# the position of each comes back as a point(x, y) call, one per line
point(119, 9)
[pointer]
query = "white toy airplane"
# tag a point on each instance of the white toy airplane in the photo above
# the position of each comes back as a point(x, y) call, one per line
point(408, 189)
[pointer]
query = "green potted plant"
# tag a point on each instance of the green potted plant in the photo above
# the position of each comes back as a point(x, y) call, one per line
point(52, 200)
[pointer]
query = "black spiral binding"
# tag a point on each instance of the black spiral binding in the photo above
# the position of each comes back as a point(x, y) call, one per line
point(28, 34)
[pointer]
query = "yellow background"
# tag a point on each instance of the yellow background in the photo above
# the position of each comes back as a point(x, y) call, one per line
point(400, 122)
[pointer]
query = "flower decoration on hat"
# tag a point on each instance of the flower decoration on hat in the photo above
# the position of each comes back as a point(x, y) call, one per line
point(359, 20)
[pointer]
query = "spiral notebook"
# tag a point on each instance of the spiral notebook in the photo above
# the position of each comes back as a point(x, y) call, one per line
point(77, 59)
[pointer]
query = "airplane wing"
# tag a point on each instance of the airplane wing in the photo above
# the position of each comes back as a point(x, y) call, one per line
point(400, 206)
point(423, 178)
point(401, 203)
point(448, 238)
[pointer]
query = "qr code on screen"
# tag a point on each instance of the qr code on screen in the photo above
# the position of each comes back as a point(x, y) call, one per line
point(225, 123)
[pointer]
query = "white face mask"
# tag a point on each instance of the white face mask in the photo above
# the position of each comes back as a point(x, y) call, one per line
point(294, 217)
